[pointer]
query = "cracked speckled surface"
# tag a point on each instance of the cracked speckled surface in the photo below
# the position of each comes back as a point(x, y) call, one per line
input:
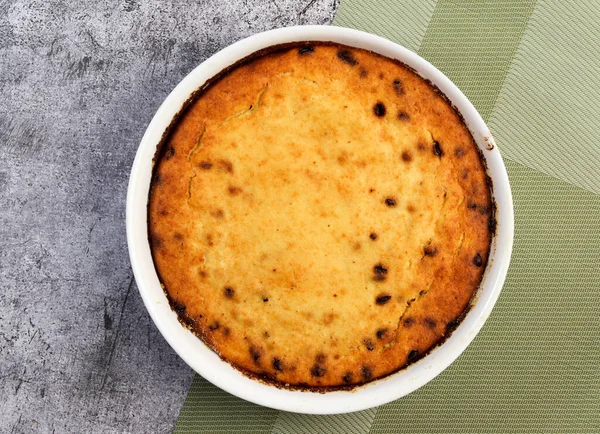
point(79, 82)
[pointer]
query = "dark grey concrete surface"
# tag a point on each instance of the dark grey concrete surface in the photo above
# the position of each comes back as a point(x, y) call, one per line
point(79, 82)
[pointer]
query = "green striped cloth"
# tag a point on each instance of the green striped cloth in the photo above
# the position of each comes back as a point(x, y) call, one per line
point(532, 70)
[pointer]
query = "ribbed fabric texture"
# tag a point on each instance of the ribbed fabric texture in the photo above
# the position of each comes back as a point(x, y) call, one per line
point(404, 22)
point(548, 109)
point(531, 69)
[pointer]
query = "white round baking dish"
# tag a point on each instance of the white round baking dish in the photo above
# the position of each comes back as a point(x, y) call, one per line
point(206, 362)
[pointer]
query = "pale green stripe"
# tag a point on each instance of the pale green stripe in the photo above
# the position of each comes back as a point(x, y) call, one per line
point(208, 409)
point(355, 423)
point(534, 368)
point(548, 111)
point(473, 43)
point(403, 22)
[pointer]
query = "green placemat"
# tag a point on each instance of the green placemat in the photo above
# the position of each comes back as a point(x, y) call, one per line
point(530, 67)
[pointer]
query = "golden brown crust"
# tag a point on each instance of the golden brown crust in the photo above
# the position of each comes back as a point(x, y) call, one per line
point(319, 215)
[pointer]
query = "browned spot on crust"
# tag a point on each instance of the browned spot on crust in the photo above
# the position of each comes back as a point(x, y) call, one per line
point(478, 260)
point(398, 87)
point(265, 299)
point(406, 156)
point(277, 364)
point(379, 109)
point(169, 153)
point(373, 236)
point(369, 344)
point(229, 292)
point(318, 370)
point(226, 331)
point(451, 326)
point(203, 274)
point(178, 236)
point(178, 307)
point(357, 246)
point(329, 318)
point(205, 165)
point(188, 321)
point(320, 358)
point(233, 190)
point(347, 378)
point(218, 213)
point(363, 73)
point(459, 152)
point(492, 224)
point(471, 205)
point(437, 149)
point(379, 273)
point(366, 373)
point(306, 50)
point(408, 322)
point(347, 57)
point(484, 209)
point(156, 178)
point(225, 166)
point(421, 146)
point(465, 174)
point(155, 241)
point(390, 201)
point(410, 208)
point(383, 299)
point(430, 251)
point(381, 333)
point(403, 116)
point(430, 322)
point(214, 326)
point(256, 354)
point(413, 356)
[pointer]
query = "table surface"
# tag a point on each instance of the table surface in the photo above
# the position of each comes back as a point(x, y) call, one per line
point(79, 82)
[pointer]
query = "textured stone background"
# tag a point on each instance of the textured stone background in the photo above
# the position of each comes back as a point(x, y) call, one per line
point(79, 82)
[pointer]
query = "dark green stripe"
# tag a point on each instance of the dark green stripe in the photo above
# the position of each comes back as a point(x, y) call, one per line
point(355, 423)
point(208, 409)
